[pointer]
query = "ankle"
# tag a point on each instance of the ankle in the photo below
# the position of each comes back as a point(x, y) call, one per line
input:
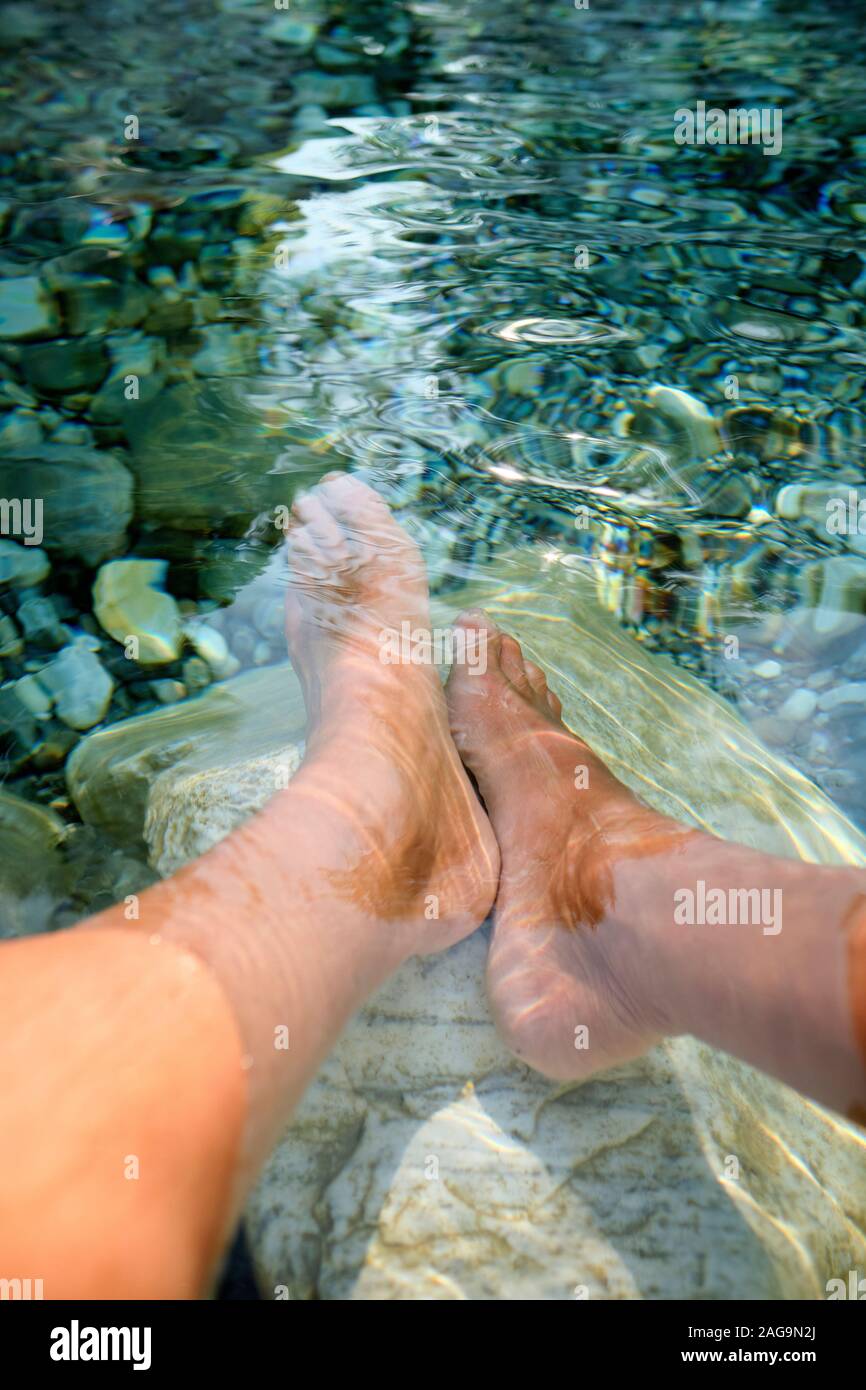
point(651, 857)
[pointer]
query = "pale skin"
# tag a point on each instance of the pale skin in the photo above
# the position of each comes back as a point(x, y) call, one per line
point(145, 1072)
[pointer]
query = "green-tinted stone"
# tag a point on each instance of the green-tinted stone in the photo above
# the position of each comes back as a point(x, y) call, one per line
point(86, 496)
point(20, 429)
point(66, 365)
point(40, 624)
point(22, 566)
point(186, 447)
point(27, 310)
point(80, 686)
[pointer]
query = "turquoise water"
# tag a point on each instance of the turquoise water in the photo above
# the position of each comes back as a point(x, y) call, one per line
point(454, 246)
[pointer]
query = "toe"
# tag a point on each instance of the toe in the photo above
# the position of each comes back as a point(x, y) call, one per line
point(511, 661)
point(555, 704)
point(348, 499)
point(364, 519)
point(482, 641)
point(536, 677)
point(318, 522)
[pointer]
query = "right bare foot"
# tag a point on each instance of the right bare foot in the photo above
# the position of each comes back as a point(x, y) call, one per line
point(560, 959)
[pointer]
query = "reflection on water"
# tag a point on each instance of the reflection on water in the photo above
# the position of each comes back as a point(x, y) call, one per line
point(458, 249)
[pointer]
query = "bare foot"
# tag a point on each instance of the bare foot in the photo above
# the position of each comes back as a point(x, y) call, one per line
point(419, 850)
point(573, 988)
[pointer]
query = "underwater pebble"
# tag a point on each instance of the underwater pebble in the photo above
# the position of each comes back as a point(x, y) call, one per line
point(34, 696)
point(20, 429)
point(853, 693)
point(768, 670)
point(11, 642)
point(40, 623)
point(128, 602)
point(212, 647)
point(86, 494)
point(800, 705)
point(196, 674)
point(689, 416)
point(168, 692)
point(22, 566)
point(79, 685)
point(27, 310)
point(819, 679)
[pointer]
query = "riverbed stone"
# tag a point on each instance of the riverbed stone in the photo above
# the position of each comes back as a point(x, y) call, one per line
point(427, 1163)
point(27, 310)
point(79, 685)
point(34, 874)
point(86, 496)
point(40, 623)
point(22, 566)
point(64, 366)
point(20, 429)
point(185, 450)
point(113, 773)
point(129, 601)
point(800, 705)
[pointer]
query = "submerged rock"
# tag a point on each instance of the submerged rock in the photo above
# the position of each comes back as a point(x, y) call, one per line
point(531, 1180)
point(129, 603)
point(688, 418)
point(65, 365)
point(79, 685)
point(40, 623)
point(20, 429)
point(204, 460)
point(834, 601)
point(113, 773)
point(30, 854)
point(27, 310)
point(86, 497)
point(22, 566)
point(211, 647)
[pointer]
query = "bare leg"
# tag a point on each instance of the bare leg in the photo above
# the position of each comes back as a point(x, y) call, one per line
point(378, 849)
point(589, 930)
point(147, 1068)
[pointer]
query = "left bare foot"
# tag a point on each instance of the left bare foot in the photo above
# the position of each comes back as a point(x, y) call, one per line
point(419, 850)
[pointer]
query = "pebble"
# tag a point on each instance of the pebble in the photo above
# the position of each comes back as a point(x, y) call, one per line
point(196, 674)
point(168, 692)
point(11, 642)
point(79, 685)
point(20, 429)
point(688, 416)
point(852, 693)
point(128, 602)
point(17, 725)
point(768, 670)
point(27, 310)
point(22, 566)
point(819, 679)
point(41, 625)
point(800, 704)
point(212, 647)
point(34, 696)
